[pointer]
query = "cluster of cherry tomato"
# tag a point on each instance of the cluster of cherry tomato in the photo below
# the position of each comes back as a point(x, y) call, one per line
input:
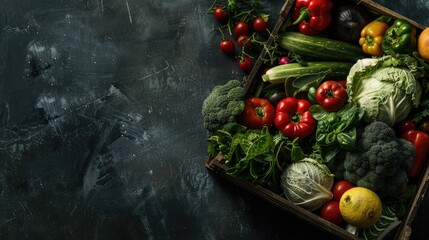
point(238, 29)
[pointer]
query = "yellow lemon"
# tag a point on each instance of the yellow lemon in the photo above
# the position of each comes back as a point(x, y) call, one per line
point(360, 207)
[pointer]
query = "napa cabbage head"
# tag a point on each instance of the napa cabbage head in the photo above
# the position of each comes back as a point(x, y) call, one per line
point(386, 88)
point(307, 183)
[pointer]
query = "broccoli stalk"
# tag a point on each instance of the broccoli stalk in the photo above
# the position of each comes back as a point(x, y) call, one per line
point(223, 105)
point(379, 162)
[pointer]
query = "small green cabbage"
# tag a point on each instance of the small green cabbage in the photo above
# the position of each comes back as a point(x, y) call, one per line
point(386, 88)
point(307, 183)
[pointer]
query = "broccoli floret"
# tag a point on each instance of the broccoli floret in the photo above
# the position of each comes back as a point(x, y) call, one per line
point(372, 181)
point(380, 160)
point(223, 105)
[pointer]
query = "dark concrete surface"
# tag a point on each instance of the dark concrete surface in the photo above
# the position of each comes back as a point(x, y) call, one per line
point(101, 134)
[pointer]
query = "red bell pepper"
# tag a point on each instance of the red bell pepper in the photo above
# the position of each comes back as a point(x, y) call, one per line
point(293, 118)
point(313, 16)
point(257, 113)
point(420, 140)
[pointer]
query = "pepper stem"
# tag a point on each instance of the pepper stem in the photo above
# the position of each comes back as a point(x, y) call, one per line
point(296, 117)
point(304, 15)
point(260, 111)
point(369, 41)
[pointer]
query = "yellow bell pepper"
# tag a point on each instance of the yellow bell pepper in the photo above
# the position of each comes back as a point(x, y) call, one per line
point(372, 37)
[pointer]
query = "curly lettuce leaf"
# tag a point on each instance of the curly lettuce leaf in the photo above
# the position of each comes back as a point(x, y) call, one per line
point(386, 88)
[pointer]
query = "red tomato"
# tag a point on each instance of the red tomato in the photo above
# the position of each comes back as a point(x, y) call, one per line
point(343, 83)
point(406, 125)
point(259, 25)
point(331, 212)
point(220, 14)
point(293, 118)
point(227, 46)
point(331, 95)
point(258, 112)
point(241, 28)
point(424, 126)
point(284, 60)
point(246, 64)
point(244, 40)
point(340, 187)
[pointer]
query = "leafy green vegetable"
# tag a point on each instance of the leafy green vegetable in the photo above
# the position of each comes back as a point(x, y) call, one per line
point(255, 154)
point(307, 183)
point(386, 88)
point(336, 130)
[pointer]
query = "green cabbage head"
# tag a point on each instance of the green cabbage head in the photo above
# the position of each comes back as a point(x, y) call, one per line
point(307, 183)
point(386, 88)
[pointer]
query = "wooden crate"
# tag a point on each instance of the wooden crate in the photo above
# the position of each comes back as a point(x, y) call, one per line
point(250, 81)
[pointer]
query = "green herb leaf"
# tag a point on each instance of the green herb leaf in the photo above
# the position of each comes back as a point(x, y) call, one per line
point(296, 153)
point(336, 130)
point(328, 153)
point(347, 140)
point(311, 95)
point(318, 112)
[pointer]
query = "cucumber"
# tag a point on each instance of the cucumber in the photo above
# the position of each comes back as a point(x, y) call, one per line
point(320, 48)
point(281, 73)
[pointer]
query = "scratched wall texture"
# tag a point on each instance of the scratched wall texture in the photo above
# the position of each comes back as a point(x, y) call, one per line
point(101, 133)
point(414, 9)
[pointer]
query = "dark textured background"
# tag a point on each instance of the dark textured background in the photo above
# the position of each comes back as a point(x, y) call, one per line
point(101, 133)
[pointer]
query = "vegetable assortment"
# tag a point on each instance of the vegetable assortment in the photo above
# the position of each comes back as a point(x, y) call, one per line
point(342, 103)
point(379, 161)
